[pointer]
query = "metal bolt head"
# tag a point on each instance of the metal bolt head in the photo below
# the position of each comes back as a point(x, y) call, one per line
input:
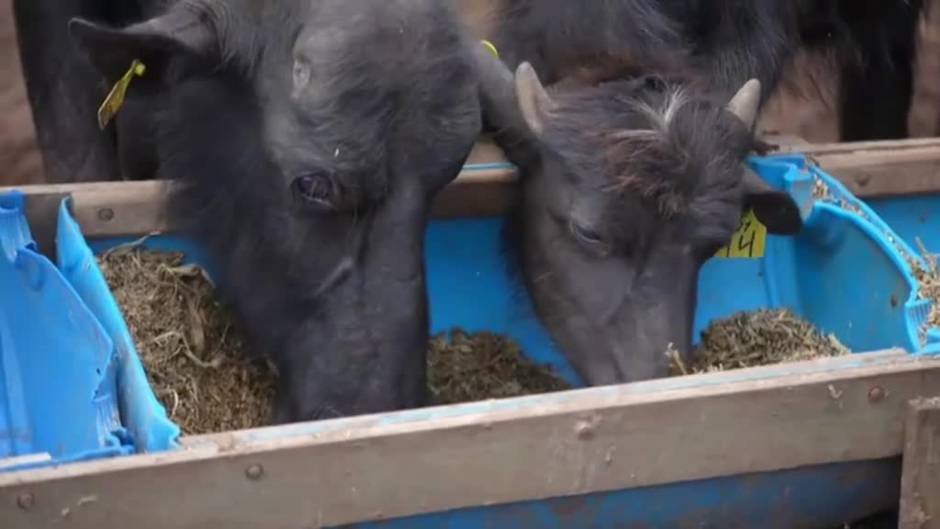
point(254, 472)
point(25, 501)
point(863, 179)
point(105, 214)
point(876, 394)
point(584, 430)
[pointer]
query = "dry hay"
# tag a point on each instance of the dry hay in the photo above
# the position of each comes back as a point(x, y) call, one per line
point(757, 338)
point(197, 362)
point(483, 366)
point(928, 275)
point(822, 192)
point(194, 357)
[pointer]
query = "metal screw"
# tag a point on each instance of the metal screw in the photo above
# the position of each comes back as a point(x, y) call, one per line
point(105, 214)
point(876, 394)
point(254, 472)
point(584, 430)
point(25, 501)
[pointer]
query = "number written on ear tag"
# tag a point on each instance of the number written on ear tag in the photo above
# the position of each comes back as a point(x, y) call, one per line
point(115, 100)
point(748, 242)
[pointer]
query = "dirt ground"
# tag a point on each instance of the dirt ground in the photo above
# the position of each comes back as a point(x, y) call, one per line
point(20, 162)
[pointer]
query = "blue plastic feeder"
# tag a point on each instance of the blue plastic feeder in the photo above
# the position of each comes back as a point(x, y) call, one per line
point(72, 386)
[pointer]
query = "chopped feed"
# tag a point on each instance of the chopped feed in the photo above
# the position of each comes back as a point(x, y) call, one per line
point(198, 365)
point(757, 338)
point(194, 356)
point(928, 275)
point(483, 366)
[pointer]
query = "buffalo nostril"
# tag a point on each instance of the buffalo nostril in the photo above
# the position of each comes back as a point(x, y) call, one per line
point(313, 188)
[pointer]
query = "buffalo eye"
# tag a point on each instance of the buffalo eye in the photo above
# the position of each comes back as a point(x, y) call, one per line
point(315, 189)
point(589, 239)
point(654, 83)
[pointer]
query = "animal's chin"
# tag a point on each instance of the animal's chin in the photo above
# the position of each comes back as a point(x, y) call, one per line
point(622, 363)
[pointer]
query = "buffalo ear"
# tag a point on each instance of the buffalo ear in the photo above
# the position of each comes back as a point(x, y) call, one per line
point(775, 209)
point(180, 33)
point(534, 102)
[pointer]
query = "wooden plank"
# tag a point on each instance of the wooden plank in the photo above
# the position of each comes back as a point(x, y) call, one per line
point(871, 174)
point(920, 478)
point(486, 185)
point(106, 209)
point(570, 443)
point(487, 192)
point(485, 152)
point(786, 142)
point(861, 146)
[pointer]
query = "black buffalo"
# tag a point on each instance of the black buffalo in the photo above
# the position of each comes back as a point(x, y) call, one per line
point(632, 172)
point(870, 42)
point(632, 177)
point(308, 139)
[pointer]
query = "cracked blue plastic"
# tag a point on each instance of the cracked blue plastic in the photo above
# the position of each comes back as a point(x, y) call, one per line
point(144, 416)
point(854, 273)
point(57, 383)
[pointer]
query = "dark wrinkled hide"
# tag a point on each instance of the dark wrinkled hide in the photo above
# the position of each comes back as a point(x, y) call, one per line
point(880, 80)
point(308, 139)
point(731, 41)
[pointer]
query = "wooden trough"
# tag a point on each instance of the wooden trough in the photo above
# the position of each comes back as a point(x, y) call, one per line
point(494, 460)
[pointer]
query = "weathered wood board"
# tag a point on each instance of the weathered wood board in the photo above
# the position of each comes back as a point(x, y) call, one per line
point(429, 460)
point(486, 186)
point(920, 481)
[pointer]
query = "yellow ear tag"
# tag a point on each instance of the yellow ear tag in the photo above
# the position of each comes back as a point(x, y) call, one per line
point(115, 100)
point(490, 46)
point(748, 242)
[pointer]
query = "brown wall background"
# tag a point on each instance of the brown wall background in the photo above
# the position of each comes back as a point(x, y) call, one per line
point(20, 162)
point(924, 119)
point(808, 106)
